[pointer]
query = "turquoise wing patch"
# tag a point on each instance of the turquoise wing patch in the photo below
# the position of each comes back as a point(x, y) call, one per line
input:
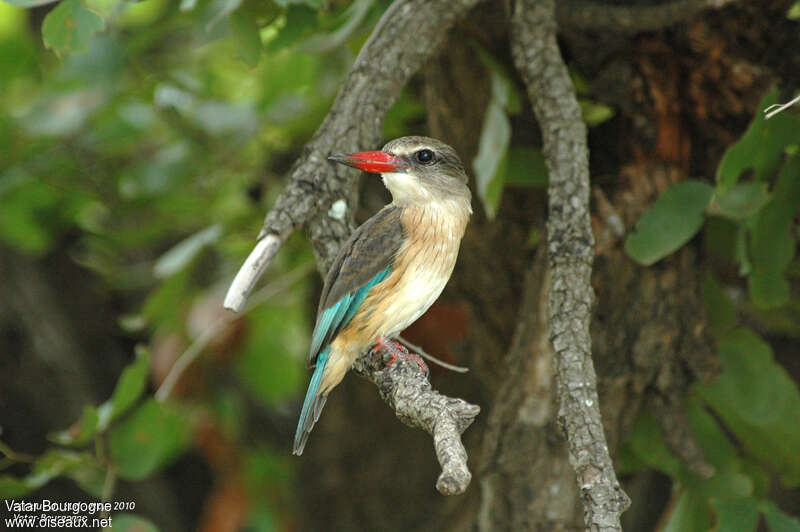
point(334, 318)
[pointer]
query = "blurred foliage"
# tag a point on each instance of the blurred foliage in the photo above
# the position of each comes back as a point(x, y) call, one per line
point(747, 420)
point(149, 138)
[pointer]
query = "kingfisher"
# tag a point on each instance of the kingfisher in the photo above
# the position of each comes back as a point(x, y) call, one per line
point(392, 268)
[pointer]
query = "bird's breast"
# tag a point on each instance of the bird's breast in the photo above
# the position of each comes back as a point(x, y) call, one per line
point(421, 269)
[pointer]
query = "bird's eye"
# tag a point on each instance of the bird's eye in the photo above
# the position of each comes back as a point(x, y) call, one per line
point(424, 156)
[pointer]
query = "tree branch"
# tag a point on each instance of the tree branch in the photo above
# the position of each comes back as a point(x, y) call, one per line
point(570, 246)
point(408, 33)
point(590, 15)
point(405, 388)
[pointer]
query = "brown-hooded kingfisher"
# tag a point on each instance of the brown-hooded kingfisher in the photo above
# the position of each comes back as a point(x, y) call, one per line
point(393, 267)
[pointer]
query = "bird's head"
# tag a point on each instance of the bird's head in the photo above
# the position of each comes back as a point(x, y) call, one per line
point(416, 170)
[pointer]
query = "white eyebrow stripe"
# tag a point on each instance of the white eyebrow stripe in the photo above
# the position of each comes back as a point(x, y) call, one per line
point(404, 151)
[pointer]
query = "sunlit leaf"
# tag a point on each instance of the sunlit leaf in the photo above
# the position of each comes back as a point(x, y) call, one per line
point(179, 255)
point(492, 148)
point(595, 113)
point(674, 219)
point(148, 439)
point(69, 27)
point(794, 12)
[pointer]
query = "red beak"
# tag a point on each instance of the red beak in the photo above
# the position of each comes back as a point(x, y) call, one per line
point(375, 162)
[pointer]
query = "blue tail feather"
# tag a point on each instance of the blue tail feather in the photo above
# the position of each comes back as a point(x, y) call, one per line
point(312, 405)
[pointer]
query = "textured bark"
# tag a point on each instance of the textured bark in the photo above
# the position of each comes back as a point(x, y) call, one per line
point(525, 477)
point(570, 246)
point(405, 388)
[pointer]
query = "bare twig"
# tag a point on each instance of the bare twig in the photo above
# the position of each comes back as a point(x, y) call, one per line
point(251, 270)
point(583, 14)
point(421, 352)
point(409, 32)
point(405, 388)
point(13, 455)
point(570, 246)
point(186, 358)
point(776, 108)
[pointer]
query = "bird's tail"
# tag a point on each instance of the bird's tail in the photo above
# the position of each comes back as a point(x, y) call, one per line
point(312, 405)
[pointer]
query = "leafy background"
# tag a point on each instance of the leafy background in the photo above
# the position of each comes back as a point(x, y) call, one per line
point(142, 145)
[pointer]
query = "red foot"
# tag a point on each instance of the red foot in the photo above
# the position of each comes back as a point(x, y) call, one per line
point(398, 350)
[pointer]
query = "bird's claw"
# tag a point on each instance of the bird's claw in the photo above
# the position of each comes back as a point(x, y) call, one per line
point(398, 350)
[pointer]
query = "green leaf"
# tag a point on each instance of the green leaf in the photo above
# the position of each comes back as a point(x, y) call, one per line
point(131, 384)
point(689, 514)
point(314, 4)
point(768, 289)
point(53, 463)
point(735, 515)
point(715, 444)
point(69, 28)
point(148, 439)
point(648, 445)
point(777, 520)
point(184, 251)
point(354, 15)
point(674, 219)
point(525, 167)
point(129, 388)
point(720, 238)
point(594, 112)
point(492, 148)
point(762, 146)
point(130, 523)
point(90, 476)
point(772, 242)
point(13, 488)
point(794, 12)
point(740, 201)
point(248, 39)
point(721, 311)
point(300, 22)
point(81, 431)
point(25, 3)
point(758, 401)
point(267, 365)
